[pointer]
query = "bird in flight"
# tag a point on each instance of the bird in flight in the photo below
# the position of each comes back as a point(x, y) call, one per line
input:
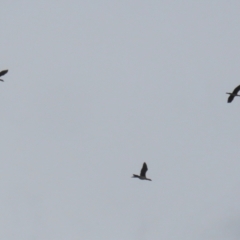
point(3, 73)
point(142, 173)
point(233, 94)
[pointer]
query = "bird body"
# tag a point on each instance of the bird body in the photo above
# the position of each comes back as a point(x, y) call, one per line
point(142, 173)
point(233, 94)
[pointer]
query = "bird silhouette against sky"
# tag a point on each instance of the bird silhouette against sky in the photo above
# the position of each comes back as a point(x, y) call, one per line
point(233, 94)
point(142, 173)
point(3, 73)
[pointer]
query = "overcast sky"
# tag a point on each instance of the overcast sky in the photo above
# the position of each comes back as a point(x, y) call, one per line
point(96, 88)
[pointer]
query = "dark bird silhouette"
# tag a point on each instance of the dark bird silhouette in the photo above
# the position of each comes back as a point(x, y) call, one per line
point(142, 173)
point(3, 73)
point(233, 94)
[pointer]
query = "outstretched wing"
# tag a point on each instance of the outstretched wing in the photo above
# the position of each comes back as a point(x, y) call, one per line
point(230, 98)
point(3, 72)
point(144, 170)
point(236, 90)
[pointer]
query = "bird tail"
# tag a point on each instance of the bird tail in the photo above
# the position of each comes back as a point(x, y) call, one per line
point(135, 176)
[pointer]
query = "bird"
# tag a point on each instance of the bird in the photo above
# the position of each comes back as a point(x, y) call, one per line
point(142, 173)
point(233, 94)
point(3, 72)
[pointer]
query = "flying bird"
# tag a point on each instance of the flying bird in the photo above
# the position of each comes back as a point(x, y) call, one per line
point(142, 173)
point(3, 73)
point(233, 94)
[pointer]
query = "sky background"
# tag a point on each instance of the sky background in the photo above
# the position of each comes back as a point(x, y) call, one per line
point(96, 88)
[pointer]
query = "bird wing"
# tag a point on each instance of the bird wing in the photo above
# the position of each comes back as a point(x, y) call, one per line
point(3, 72)
point(144, 170)
point(236, 90)
point(230, 98)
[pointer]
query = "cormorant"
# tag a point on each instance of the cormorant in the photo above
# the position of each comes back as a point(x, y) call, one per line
point(142, 173)
point(233, 94)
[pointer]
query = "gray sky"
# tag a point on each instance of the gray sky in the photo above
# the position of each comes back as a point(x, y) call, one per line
point(94, 89)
